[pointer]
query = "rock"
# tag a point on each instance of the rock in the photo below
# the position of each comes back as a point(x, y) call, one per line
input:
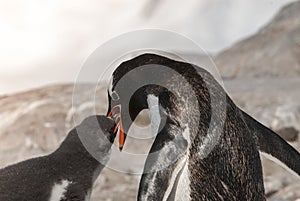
point(287, 116)
point(290, 193)
point(272, 185)
point(288, 133)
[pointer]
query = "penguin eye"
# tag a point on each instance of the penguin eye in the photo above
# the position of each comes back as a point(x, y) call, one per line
point(115, 96)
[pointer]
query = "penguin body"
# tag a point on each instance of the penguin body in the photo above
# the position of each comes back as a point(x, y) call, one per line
point(66, 174)
point(206, 147)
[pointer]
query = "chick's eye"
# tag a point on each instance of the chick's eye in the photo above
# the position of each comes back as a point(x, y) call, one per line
point(115, 96)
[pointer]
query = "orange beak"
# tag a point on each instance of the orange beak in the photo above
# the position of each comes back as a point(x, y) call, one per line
point(115, 113)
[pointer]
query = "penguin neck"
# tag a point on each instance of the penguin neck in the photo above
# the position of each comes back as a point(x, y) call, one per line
point(171, 147)
point(73, 154)
point(72, 145)
point(162, 115)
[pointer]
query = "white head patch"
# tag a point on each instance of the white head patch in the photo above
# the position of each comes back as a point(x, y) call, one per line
point(110, 86)
point(154, 114)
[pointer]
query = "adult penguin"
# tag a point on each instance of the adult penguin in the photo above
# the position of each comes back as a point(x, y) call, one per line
point(68, 173)
point(206, 147)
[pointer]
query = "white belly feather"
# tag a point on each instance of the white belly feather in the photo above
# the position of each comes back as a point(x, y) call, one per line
point(58, 190)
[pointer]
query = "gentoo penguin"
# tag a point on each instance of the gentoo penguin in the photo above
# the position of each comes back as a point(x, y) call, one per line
point(67, 174)
point(191, 157)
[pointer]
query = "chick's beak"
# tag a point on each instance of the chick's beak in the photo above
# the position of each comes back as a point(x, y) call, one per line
point(115, 113)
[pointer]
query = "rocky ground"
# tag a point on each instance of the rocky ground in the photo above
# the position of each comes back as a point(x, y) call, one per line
point(261, 74)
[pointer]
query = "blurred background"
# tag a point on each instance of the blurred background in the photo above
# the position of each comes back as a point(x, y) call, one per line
point(43, 44)
point(46, 42)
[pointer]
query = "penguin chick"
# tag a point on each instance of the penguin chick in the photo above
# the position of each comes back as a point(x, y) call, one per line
point(68, 173)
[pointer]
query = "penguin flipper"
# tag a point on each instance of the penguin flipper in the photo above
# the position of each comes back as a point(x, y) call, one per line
point(74, 192)
point(272, 144)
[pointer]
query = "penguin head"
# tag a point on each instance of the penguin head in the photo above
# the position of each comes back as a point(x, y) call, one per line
point(96, 123)
point(96, 135)
point(131, 86)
